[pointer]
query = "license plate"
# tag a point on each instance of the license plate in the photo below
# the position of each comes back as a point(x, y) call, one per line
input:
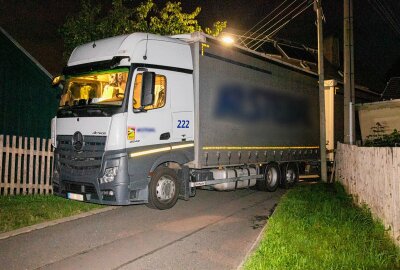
point(73, 196)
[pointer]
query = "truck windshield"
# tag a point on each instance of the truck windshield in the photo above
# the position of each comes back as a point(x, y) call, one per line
point(105, 87)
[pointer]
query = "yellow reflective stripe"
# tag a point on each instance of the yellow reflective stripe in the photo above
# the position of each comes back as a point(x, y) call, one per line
point(180, 146)
point(151, 151)
point(257, 147)
point(162, 149)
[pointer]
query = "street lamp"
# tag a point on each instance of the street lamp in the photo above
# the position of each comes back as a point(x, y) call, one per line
point(227, 40)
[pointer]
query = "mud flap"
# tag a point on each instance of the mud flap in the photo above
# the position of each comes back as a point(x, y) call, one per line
point(183, 178)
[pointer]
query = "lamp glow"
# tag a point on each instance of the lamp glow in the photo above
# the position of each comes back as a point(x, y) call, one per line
point(227, 40)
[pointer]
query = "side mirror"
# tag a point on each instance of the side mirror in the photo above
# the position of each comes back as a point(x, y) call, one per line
point(148, 82)
point(57, 80)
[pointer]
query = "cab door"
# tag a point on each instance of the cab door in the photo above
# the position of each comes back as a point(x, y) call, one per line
point(149, 125)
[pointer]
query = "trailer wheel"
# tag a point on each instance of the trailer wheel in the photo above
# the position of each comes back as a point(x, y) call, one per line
point(290, 174)
point(163, 189)
point(271, 179)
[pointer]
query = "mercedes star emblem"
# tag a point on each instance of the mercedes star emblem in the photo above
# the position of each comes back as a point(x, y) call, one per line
point(77, 141)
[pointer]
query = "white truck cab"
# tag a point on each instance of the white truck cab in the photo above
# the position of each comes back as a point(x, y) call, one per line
point(101, 115)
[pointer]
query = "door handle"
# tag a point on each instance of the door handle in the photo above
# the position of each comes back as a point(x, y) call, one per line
point(165, 136)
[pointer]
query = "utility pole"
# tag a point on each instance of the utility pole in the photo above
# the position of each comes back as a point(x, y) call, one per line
point(349, 92)
point(322, 128)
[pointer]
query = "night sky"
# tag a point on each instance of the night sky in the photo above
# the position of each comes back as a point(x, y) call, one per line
point(34, 24)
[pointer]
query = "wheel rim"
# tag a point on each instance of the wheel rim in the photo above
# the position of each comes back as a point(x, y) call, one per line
point(165, 188)
point(272, 177)
point(290, 176)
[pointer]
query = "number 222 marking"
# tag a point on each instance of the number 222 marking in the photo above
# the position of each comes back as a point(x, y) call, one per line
point(183, 124)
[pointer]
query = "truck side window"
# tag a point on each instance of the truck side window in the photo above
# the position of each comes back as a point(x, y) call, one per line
point(160, 92)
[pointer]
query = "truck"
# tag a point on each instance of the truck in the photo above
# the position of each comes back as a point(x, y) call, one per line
point(149, 119)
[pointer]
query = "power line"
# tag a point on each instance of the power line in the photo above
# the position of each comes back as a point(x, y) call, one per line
point(265, 24)
point(283, 18)
point(243, 41)
point(265, 32)
point(283, 25)
point(391, 12)
point(386, 15)
point(247, 37)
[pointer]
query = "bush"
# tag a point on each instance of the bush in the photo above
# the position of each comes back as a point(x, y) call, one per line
point(384, 140)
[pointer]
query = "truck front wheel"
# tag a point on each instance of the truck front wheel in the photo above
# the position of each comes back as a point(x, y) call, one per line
point(163, 189)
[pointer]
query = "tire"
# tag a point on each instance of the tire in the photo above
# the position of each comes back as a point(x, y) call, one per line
point(290, 174)
point(163, 189)
point(272, 176)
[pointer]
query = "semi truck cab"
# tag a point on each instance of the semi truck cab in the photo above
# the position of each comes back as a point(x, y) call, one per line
point(124, 98)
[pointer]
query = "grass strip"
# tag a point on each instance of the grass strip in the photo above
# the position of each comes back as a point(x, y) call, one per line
point(21, 211)
point(317, 226)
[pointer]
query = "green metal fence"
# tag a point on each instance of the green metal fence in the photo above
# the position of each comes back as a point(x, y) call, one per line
point(27, 100)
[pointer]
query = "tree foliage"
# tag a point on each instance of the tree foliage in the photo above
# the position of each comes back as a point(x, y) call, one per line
point(93, 22)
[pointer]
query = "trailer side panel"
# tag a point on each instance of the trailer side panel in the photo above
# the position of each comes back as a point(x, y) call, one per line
point(252, 111)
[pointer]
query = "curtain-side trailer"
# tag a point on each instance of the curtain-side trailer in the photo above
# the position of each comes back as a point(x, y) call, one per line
point(147, 119)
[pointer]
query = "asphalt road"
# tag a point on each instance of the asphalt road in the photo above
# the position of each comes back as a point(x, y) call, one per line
point(213, 230)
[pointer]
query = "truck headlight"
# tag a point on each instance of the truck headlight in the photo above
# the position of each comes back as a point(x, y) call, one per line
point(109, 175)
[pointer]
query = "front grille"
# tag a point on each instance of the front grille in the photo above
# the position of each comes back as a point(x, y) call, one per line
point(73, 187)
point(90, 189)
point(87, 161)
point(81, 188)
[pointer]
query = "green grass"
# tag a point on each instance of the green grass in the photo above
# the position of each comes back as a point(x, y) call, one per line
point(21, 211)
point(316, 226)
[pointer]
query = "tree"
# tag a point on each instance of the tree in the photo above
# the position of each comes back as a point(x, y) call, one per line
point(92, 22)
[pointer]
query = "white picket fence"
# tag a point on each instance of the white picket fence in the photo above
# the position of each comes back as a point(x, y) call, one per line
point(25, 165)
point(372, 176)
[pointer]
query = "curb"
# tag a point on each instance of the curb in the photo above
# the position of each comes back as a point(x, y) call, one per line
point(253, 247)
point(54, 222)
point(256, 243)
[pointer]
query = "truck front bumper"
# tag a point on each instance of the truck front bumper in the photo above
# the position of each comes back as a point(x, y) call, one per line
point(86, 184)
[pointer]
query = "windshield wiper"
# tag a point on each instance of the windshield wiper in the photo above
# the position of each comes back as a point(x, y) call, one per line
point(68, 111)
point(91, 109)
point(100, 105)
point(98, 111)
